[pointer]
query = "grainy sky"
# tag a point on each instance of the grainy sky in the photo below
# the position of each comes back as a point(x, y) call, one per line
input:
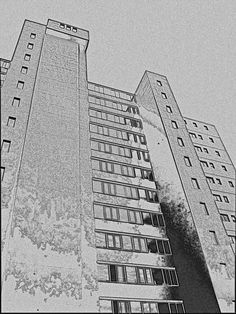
point(193, 43)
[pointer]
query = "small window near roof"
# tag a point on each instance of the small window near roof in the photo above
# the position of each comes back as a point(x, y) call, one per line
point(195, 183)
point(24, 70)
point(74, 29)
point(195, 124)
point(16, 102)
point(20, 84)
point(62, 25)
point(168, 109)
point(30, 46)
point(27, 57)
point(187, 161)
point(68, 27)
point(2, 173)
point(224, 168)
point(174, 124)
point(206, 128)
point(164, 95)
point(11, 122)
point(159, 83)
point(180, 141)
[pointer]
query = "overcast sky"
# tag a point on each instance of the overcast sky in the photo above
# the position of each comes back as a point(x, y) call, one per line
point(193, 43)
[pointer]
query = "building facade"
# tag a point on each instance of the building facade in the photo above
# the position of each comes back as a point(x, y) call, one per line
point(111, 201)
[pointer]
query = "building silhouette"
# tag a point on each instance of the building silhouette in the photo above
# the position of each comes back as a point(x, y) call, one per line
point(111, 201)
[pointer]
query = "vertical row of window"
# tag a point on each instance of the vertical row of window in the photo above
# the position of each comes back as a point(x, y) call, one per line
point(11, 121)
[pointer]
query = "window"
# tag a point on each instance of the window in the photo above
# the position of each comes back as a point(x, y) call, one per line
point(68, 27)
point(33, 35)
point(226, 199)
point(193, 135)
point(213, 236)
point(204, 163)
point(24, 70)
point(159, 83)
point(187, 161)
point(217, 197)
point(185, 121)
point(231, 184)
point(11, 122)
point(218, 181)
point(30, 46)
point(211, 139)
point(74, 29)
point(232, 238)
point(210, 180)
point(223, 270)
point(62, 25)
point(217, 153)
point(195, 124)
point(174, 124)
point(27, 57)
point(233, 218)
point(195, 183)
point(16, 102)
point(164, 95)
point(6, 146)
point(180, 141)
point(205, 127)
point(224, 168)
point(205, 150)
point(224, 217)
point(212, 165)
point(2, 173)
point(151, 196)
point(20, 84)
point(204, 208)
point(198, 148)
point(168, 109)
point(200, 136)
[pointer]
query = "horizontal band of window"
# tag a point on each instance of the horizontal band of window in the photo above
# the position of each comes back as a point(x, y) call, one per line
point(118, 129)
point(130, 234)
point(133, 265)
point(139, 299)
point(128, 208)
point(115, 114)
point(120, 163)
point(125, 184)
point(117, 144)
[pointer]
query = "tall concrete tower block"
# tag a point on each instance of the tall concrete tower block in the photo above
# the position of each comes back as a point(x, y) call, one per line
point(112, 202)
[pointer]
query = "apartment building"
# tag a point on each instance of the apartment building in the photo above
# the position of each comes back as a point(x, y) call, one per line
point(112, 202)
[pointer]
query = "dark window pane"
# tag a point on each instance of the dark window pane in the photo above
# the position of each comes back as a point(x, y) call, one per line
point(160, 246)
point(115, 307)
point(155, 220)
point(180, 308)
point(157, 276)
point(113, 274)
point(147, 219)
point(174, 277)
point(167, 277)
point(167, 247)
point(173, 308)
point(163, 308)
point(161, 220)
point(152, 246)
